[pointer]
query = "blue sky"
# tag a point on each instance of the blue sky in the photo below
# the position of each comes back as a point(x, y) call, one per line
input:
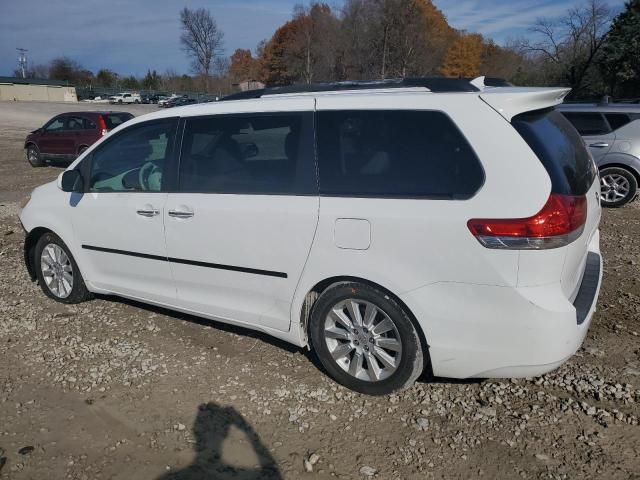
point(129, 36)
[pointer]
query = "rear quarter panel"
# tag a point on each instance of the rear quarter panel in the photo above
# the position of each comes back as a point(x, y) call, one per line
point(415, 243)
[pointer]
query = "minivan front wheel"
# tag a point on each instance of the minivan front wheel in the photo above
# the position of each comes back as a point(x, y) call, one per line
point(57, 271)
point(365, 340)
point(617, 186)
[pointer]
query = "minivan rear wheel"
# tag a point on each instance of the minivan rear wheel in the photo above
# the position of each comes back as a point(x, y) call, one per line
point(618, 186)
point(365, 340)
point(57, 271)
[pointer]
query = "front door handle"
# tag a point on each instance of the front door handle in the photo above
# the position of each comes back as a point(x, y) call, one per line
point(181, 212)
point(599, 145)
point(147, 211)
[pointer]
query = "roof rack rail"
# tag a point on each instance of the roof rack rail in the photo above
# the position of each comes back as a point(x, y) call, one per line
point(433, 84)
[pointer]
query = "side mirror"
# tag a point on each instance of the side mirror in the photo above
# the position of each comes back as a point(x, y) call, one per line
point(71, 181)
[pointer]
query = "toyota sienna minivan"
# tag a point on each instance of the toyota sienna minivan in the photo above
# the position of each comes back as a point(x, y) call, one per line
point(392, 227)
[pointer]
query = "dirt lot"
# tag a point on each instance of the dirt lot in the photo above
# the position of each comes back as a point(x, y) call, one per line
point(116, 390)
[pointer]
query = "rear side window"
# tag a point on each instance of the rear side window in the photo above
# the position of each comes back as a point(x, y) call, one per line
point(395, 153)
point(588, 123)
point(617, 120)
point(80, 123)
point(249, 154)
point(560, 149)
point(113, 120)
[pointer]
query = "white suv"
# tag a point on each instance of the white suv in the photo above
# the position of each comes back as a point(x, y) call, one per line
point(395, 228)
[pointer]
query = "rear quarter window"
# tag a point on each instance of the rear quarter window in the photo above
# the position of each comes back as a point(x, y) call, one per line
point(560, 149)
point(395, 153)
point(617, 120)
point(113, 120)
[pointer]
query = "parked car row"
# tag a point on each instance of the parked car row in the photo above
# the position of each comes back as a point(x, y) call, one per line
point(176, 101)
point(392, 227)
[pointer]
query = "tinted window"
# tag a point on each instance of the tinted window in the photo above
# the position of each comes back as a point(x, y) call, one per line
point(79, 123)
point(113, 120)
point(55, 125)
point(133, 160)
point(617, 120)
point(248, 154)
point(588, 123)
point(395, 153)
point(560, 149)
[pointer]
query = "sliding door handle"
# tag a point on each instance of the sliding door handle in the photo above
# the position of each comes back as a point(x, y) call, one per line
point(599, 145)
point(180, 214)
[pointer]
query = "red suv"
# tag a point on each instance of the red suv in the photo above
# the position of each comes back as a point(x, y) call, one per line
point(66, 136)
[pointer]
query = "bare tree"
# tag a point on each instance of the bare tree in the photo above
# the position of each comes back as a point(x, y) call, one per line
point(202, 40)
point(570, 45)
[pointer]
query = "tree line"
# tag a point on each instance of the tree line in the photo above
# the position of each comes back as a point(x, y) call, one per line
point(585, 49)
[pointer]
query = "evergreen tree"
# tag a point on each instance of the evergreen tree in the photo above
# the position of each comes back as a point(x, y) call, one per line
point(620, 57)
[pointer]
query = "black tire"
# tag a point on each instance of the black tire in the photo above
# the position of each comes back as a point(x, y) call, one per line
point(411, 358)
point(78, 293)
point(82, 149)
point(33, 156)
point(626, 184)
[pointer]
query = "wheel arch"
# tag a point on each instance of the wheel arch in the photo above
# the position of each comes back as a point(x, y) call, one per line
point(625, 166)
point(80, 147)
point(30, 242)
point(312, 296)
point(30, 143)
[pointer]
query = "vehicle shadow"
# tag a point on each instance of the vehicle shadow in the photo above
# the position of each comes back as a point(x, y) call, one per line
point(211, 427)
point(427, 376)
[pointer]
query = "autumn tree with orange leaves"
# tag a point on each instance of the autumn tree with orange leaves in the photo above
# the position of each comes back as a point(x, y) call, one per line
point(464, 57)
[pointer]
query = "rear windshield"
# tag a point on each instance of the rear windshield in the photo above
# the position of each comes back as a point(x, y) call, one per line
point(113, 120)
point(560, 149)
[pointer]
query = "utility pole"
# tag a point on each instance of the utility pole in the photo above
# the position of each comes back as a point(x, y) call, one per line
point(22, 61)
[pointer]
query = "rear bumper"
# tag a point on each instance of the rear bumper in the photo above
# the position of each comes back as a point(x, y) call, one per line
point(501, 332)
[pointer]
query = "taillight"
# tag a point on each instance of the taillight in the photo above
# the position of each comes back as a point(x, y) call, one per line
point(559, 223)
point(102, 126)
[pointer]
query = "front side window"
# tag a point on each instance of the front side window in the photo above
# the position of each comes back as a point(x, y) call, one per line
point(588, 123)
point(55, 125)
point(134, 160)
point(251, 154)
point(395, 153)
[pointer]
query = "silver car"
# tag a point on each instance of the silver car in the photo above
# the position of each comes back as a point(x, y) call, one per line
point(612, 132)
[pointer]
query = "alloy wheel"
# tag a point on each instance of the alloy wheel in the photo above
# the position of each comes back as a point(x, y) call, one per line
point(57, 270)
point(363, 340)
point(614, 187)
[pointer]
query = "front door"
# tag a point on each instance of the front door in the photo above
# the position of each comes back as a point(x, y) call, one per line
point(241, 225)
point(119, 220)
point(50, 141)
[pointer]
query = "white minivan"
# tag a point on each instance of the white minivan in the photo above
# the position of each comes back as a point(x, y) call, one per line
point(395, 228)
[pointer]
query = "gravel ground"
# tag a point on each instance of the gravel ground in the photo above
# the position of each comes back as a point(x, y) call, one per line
point(113, 389)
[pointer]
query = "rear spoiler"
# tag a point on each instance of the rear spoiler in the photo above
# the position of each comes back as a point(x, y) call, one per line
point(510, 101)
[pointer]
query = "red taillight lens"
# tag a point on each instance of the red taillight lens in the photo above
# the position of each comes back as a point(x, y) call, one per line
point(560, 221)
point(102, 126)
